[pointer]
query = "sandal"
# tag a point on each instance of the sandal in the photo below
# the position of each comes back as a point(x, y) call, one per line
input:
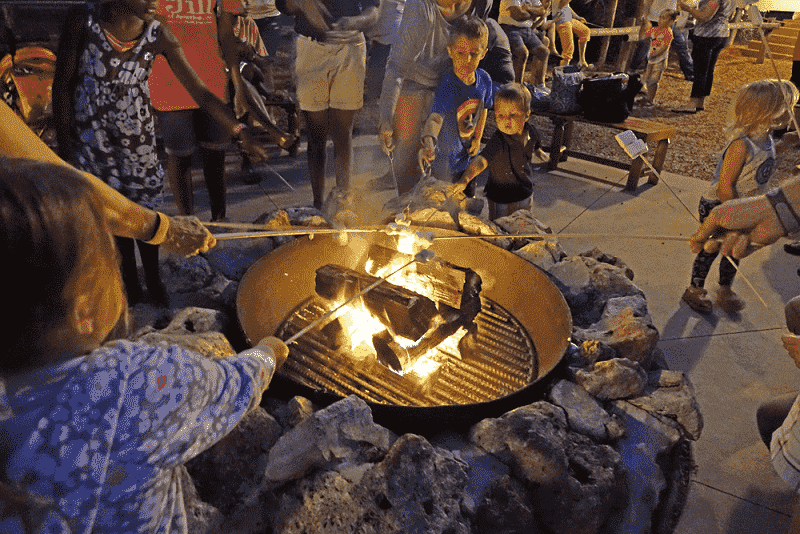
point(697, 299)
point(728, 300)
point(291, 144)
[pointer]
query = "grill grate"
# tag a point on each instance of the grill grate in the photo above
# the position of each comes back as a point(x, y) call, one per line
point(504, 361)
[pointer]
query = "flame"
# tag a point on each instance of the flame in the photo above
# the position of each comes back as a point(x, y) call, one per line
point(361, 324)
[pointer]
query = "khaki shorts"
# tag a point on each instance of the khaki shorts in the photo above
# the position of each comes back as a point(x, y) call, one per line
point(330, 75)
point(654, 72)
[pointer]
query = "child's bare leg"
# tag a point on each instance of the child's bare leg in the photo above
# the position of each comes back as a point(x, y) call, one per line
point(519, 58)
point(540, 56)
point(214, 174)
point(340, 126)
point(551, 34)
point(652, 88)
point(179, 173)
point(582, 53)
point(317, 126)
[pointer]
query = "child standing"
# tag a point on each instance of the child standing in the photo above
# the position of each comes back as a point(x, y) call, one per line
point(508, 154)
point(94, 439)
point(660, 39)
point(745, 169)
point(104, 119)
point(462, 102)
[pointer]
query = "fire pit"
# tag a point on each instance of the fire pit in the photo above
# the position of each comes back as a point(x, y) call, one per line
point(522, 332)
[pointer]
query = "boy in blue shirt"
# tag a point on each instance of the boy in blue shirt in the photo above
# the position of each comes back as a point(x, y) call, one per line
point(460, 106)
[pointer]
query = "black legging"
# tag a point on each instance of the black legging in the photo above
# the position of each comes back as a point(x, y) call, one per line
point(705, 51)
point(704, 260)
point(130, 274)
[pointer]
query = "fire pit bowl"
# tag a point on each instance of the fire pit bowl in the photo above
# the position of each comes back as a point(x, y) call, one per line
point(283, 280)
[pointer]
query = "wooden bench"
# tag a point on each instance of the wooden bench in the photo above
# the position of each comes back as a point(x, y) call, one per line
point(653, 133)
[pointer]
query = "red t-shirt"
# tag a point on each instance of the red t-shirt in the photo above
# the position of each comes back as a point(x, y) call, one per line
point(194, 23)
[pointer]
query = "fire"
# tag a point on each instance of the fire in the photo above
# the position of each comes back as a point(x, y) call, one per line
point(361, 324)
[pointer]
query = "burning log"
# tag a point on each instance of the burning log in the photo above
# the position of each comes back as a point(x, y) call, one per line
point(402, 311)
point(444, 325)
point(443, 280)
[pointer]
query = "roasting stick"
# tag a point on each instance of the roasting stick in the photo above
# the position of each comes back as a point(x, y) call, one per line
point(636, 148)
point(298, 231)
point(422, 256)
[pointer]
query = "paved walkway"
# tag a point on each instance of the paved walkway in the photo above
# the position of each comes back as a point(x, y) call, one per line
point(735, 361)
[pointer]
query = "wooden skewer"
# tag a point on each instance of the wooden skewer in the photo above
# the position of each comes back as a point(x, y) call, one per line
point(565, 236)
point(265, 228)
point(302, 231)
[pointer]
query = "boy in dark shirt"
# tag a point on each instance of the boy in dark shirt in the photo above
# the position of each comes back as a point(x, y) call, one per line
point(508, 154)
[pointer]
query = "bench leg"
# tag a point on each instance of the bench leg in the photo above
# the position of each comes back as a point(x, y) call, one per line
point(658, 160)
point(634, 174)
point(557, 144)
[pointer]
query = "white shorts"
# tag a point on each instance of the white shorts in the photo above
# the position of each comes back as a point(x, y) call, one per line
point(330, 75)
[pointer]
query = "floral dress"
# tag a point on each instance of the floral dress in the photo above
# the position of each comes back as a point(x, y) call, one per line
point(113, 131)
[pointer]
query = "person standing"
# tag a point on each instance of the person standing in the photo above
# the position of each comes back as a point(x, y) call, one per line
point(329, 72)
point(708, 39)
point(652, 11)
point(183, 124)
point(416, 63)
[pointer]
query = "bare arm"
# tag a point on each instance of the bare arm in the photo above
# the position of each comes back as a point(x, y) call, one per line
point(732, 164)
point(125, 218)
point(702, 15)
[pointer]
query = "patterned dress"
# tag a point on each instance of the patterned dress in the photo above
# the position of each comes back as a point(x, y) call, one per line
point(98, 442)
point(113, 126)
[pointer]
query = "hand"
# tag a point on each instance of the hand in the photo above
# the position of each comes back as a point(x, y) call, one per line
point(253, 148)
point(188, 236)
point(386, 140)
point(755, 218)
point(356, 23)
point(314, 11)
point(240, 106)
point(427, 153)
point(475, 146)
point(541, 154)
point(278, 348)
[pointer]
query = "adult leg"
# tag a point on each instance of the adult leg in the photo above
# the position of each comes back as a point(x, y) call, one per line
point(702, 53)
point(771, 415)
point(340, 126)
point(410, 114)
point(317, 131)
point(130, 275)
point(681, 46)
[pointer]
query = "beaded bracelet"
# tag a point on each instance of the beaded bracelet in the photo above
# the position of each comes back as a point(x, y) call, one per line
point(162, 227)
point(786, 215)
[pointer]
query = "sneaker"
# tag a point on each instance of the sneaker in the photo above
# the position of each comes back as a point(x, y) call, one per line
point(728, 300)
point(697, 299)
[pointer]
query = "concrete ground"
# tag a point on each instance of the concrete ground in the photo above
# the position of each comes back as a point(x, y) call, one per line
point(736, 361)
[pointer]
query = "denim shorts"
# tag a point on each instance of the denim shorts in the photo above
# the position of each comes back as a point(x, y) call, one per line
point(184, 129)
point(519, 37)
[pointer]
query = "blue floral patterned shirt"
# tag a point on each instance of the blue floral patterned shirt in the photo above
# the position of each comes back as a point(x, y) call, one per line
point(99, 439)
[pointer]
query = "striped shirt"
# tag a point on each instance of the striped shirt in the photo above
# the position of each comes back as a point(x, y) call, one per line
point(717, 26)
